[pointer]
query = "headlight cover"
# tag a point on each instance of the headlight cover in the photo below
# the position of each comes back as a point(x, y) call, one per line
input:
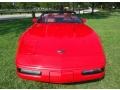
point(92, 71)
point(29, 72)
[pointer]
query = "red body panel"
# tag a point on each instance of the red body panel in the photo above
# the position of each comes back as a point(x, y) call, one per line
point(39, 49)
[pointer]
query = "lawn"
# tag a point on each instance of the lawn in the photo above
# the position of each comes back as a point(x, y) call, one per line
point(107, 25)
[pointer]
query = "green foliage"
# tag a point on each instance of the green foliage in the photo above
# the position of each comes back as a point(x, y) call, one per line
point(56, 5)
point(6, 5)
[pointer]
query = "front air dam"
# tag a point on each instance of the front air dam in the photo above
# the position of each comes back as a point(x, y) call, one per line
point(62, 76)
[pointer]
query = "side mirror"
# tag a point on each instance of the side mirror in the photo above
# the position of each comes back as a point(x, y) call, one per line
point(84, 20)
point(34, 20)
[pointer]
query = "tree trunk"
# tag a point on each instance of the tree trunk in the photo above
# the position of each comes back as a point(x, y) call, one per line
point(33, 14)
point(93, 7)
point(47, 6)
point(73, 6)
point(61, 7)
point(79, 11)
point(0, 6)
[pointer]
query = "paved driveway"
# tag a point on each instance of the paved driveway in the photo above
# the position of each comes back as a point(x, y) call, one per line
point(17, 16)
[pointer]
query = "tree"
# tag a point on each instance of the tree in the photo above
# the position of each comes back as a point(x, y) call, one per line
point(93, 7)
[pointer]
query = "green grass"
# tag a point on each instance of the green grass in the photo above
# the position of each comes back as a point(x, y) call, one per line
point(107, 25)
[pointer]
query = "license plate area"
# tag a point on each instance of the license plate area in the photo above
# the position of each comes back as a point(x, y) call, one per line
point(61, 76)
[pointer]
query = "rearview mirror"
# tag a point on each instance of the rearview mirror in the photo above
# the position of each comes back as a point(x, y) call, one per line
point(34, 20)
point(84, 20)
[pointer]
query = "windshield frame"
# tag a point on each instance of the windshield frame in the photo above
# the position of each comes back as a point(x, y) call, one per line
point(72, 13)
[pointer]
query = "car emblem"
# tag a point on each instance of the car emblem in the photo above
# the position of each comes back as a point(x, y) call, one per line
point(60, 51)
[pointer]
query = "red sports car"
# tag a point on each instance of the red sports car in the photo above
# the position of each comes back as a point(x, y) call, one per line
point(60, 48)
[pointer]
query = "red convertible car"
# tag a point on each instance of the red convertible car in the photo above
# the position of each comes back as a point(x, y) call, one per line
point(60, 48)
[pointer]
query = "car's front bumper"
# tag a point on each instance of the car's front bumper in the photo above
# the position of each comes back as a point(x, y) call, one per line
point(60, 75)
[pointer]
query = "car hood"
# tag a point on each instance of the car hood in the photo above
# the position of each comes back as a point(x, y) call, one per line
point(60, 30)
point(60, 46)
